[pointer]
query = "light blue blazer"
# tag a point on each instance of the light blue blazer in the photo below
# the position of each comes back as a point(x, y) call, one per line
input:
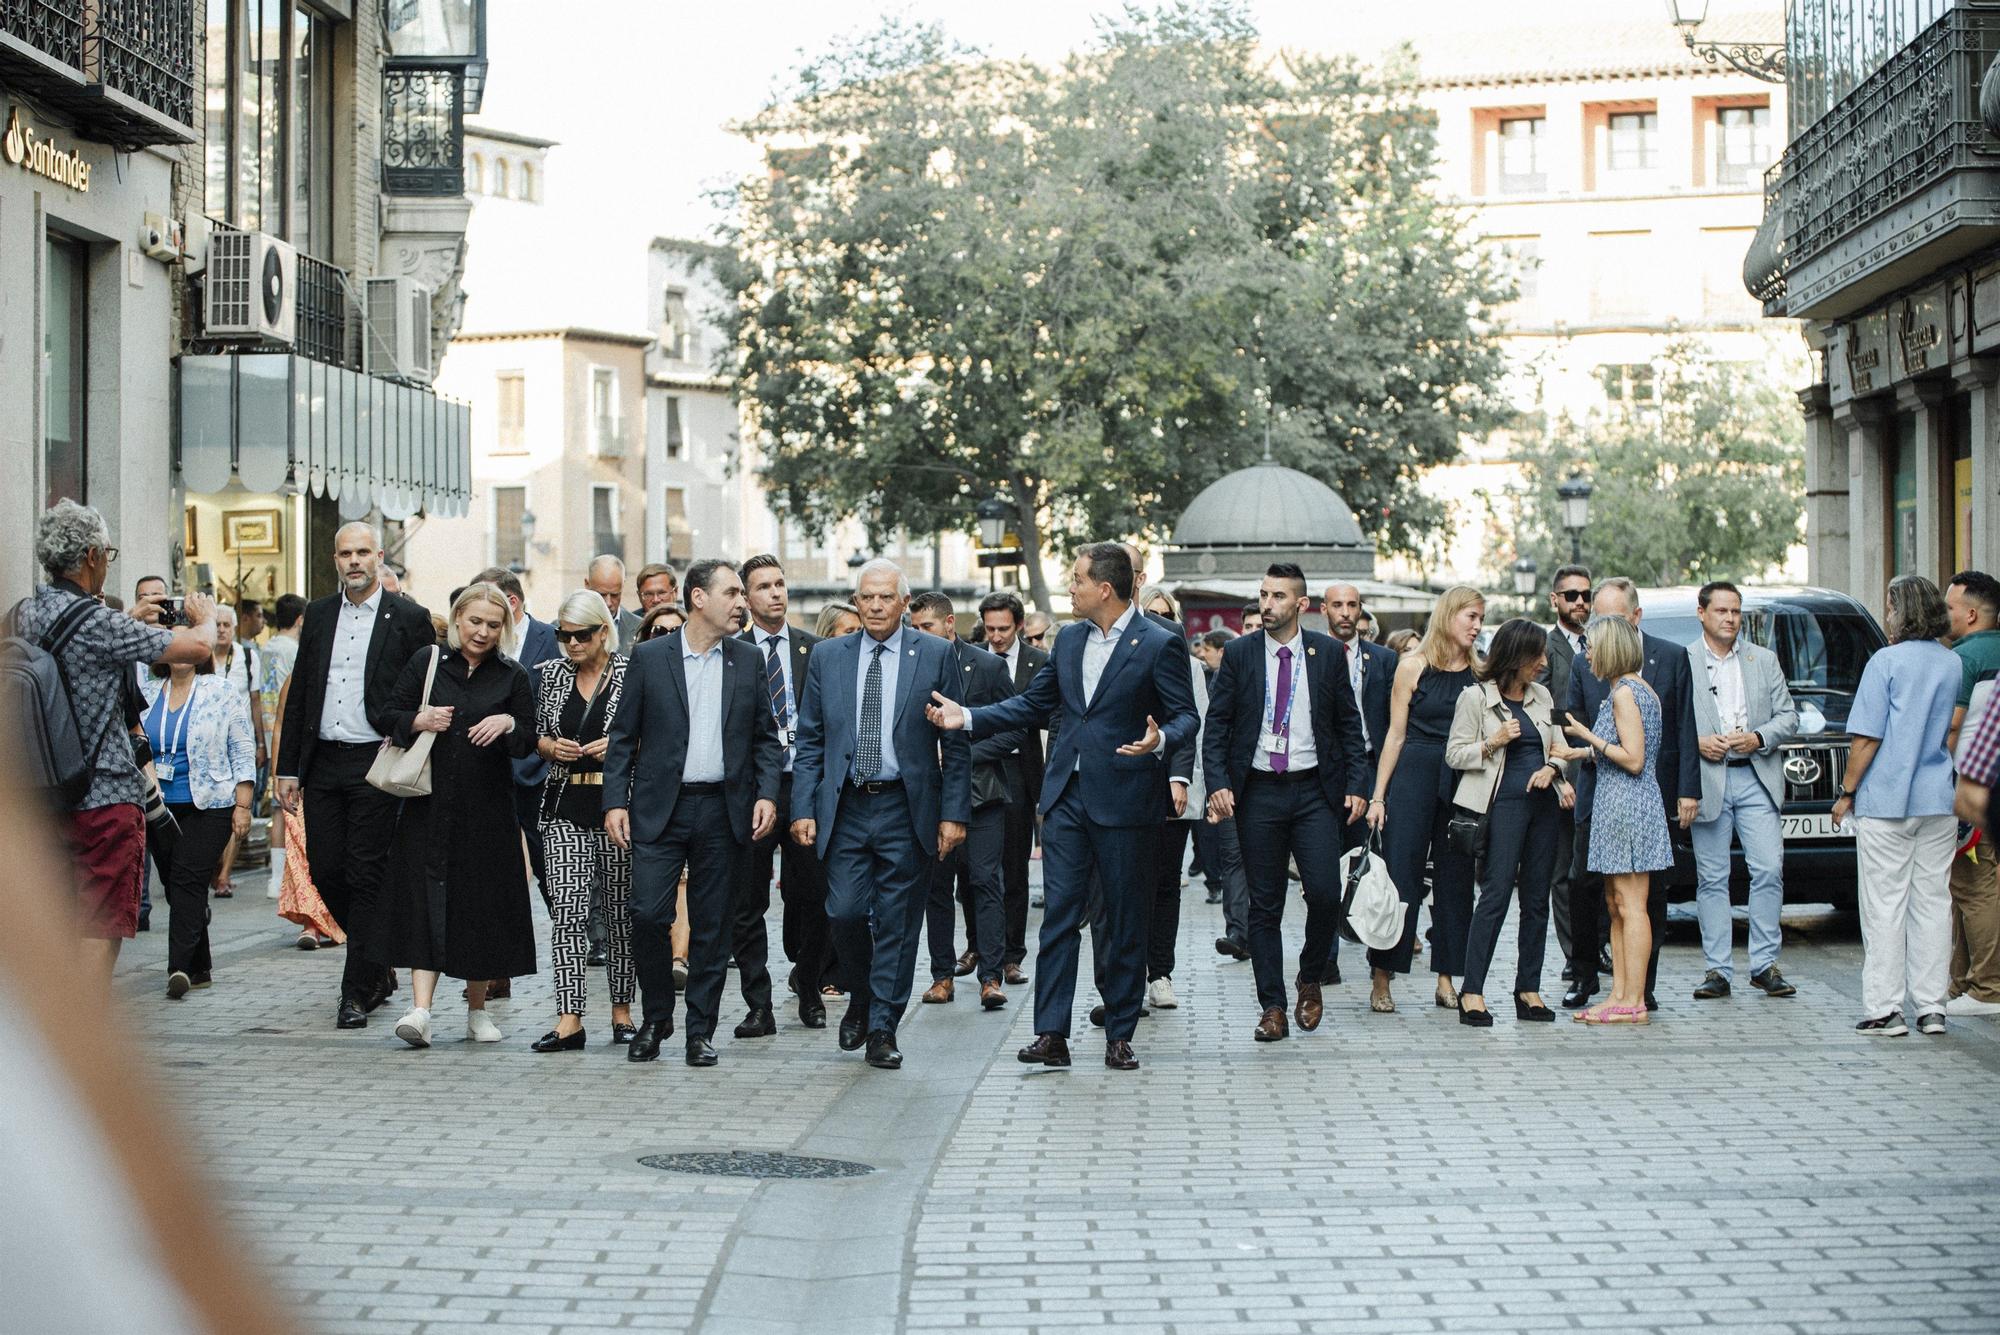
point(222, 751)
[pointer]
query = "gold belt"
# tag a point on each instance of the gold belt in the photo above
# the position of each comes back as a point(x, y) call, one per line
point(595, 776)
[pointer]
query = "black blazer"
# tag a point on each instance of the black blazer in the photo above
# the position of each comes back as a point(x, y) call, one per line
point(1378, 683)
point(1679, 763)
point(402, 627)
point(1181, 757)
point(983, 679)
point(1029, 767)
point(802, 643)
point(1562, 654)
point(1236, 716)
point(642, 766)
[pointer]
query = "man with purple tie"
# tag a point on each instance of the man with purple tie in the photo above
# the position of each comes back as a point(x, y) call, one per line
point(1286, 762)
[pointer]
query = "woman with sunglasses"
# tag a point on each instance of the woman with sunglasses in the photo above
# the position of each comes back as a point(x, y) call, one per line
point(576, 697)
point(662, 619)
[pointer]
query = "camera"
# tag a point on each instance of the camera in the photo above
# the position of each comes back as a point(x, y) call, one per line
point(173, 612)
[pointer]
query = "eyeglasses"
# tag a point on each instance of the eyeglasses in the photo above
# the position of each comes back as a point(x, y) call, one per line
point(577, 636)
point(1036, 640)
point(110, 555)
point(1572, 595)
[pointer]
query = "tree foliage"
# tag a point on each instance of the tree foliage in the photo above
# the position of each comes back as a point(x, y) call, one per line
point(1092, 290)
point(1706, 483)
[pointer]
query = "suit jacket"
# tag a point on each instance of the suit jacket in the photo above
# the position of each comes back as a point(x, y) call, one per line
point(1562, 654)
point(1147, 675)
point(1666, 671)
point(642, 766)
point(802, 643)
point(628, 630)
point(1378, 683)
point(538, 646)
point(935, 766)
point(1774, 716)
point(1236, 715)
point(1181, 759)
point(1028, 766)
point(983, 681)
point(401, 628)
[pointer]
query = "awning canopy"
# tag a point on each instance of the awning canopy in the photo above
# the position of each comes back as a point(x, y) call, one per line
point(279, 422)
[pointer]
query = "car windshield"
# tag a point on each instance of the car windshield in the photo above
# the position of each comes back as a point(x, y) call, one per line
point(1822, 651)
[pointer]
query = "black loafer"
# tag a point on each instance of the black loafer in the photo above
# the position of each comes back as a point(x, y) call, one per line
point(811, 1014)
point(350, 1015)
point(853, 1029)
point(1477, 1019)
point(1535, 1012)
point(882, 1053)
point(1712, 985)
point(1579, 996)
point(645, 1045)
point(759, 1023)
point(598, 957)
point(622, 1033)
point(1046, 1050)
point(557, 1042)
point(700, 1052)
point(1773, 983)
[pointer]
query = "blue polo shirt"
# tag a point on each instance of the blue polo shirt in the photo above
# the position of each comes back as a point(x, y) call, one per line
point(1907, 695)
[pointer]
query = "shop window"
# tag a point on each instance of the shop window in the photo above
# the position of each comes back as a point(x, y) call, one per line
point(1903, 498)
point(676, 437)
point(1956, 476)
point(511, 412)
point(1521, 168)
point(1743, 145)
point(510, 544)
point(65, 363)
point(1630, 141)
point(680, 537)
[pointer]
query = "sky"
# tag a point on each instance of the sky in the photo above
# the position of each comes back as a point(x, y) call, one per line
point(639, 93)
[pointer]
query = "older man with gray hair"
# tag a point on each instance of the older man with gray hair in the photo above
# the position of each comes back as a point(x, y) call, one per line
point(606, 579)
point(95, 649)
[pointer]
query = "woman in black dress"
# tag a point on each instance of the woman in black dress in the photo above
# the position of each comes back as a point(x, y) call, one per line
point(456, 889)
point(1413, 788)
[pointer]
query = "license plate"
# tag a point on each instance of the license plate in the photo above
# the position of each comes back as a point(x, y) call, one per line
point(1817, 826)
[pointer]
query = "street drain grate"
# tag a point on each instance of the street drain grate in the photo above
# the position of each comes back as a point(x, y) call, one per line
point(756, 1163)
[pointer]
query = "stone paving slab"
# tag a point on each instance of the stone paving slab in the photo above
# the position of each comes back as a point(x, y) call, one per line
point(1748, 1164)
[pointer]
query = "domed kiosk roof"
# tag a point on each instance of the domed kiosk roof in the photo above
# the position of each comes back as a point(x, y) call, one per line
point(1268, 505)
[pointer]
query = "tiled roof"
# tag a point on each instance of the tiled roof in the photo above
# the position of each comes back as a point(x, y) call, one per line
point(1547, 54)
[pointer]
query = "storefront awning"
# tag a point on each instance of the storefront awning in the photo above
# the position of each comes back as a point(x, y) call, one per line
point(279, 422)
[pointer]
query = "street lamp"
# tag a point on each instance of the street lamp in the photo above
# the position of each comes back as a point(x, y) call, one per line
point(854, 564)
point(1759, 60)
point(992, 513)
point(1575, 497)
point(1524, 580)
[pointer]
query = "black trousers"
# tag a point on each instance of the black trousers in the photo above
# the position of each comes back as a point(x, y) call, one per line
point(190, 859)
point(1419, 804)
point(349, 828)
point(803, 888)
point(977, 862)
point(1221, 854)
point(697, 838)
point(1521, 836)
point(1587, 917)
point(1280, 818)
point(1353, 834)
point(1163, 924)
point(1559, 882)
point(528, 811)
point(1019, 825)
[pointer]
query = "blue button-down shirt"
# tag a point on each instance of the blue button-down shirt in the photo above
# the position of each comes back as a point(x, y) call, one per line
point(704, 688)
point(892, 655)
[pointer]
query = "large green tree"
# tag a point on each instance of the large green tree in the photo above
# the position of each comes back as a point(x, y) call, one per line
point(1705, 481)
point(1092, 290)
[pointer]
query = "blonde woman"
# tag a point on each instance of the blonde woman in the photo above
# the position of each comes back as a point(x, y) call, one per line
point(1412, 802)
point(837, 619)
point(455, 893)
point(576, 695)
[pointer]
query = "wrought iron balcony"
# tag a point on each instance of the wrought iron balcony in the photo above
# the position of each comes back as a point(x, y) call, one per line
point(123, 68)
point(423, 128)
point(38, 33)
point(144, 50)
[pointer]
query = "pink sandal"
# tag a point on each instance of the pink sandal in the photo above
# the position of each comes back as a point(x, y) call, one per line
point(1623, 1015)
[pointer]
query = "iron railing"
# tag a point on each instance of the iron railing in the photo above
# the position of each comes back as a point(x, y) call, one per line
point(423, 128)
point(53, 27)
point(145, 50)
point(1910, 124)
point(124, 69)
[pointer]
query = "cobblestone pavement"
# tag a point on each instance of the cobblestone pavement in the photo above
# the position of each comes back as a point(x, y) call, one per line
point(1747, 1163)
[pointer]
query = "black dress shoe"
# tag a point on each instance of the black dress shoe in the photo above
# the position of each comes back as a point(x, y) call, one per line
point(1233, 949)
point(555, 1042)
point(598, 957)
point(701, 1052)
point(1214, 897)
point(1711, 986)
point(645, 1045)
point(1604, 959)
point(812, 1014)
point(1537, 1012)
point(351, 1015)
point(622, 1033)
point(1569, 974)
point(1046, 1050)
point(853, 1029)
point(1097, 1015)
point(145, 922)
point(1579, 996)
point(759, 1023)
point(1118, 1056)
point(1481, 1019)
point(1652, 1002)
point(882, 1053)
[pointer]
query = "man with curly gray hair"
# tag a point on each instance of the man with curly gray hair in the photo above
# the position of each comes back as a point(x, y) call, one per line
point(95, 652)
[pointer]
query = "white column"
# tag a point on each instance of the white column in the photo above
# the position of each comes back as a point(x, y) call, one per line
point(1827, 520)
point(1869, 427)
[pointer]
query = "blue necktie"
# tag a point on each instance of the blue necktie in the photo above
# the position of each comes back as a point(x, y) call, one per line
point(868, 742)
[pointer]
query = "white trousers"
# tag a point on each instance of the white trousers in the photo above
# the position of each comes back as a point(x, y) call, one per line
point(1905, 868)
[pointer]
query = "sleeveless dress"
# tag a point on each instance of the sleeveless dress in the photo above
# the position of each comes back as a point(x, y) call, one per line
point(1414, 842)
point(1628, 818)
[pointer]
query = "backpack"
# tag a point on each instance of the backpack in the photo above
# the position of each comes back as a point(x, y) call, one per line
point(35, 700)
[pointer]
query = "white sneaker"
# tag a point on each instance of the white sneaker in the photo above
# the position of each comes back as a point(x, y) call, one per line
point(1160, 995)
point(479, 1027)
point(415, 1027)
point(1969, 1005)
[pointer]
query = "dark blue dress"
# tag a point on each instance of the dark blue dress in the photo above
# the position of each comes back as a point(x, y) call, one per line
point(1418, 807)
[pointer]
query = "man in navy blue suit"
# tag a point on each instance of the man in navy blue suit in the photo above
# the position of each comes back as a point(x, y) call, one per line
point(881, 792)
point(1123, 690)
point(1371, 673)
point(1290, 778)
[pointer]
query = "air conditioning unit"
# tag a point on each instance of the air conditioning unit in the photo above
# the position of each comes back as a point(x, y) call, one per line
point(399, 328)
point(251, 288)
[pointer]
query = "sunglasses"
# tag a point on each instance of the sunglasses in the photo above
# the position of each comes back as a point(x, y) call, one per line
point(1573, 595)
point(1035, 639)
point(577, 636)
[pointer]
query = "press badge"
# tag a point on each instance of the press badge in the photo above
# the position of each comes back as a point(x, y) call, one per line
point(1272, 743)
point(791, 736)
point(163, 767)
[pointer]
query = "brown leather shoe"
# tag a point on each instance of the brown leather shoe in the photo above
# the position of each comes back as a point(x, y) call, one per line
point(1014, 976)
point(1272, 1026)
point(1118, 1056)
point(990, 995)
point(1308, 1010)
point(966, 963)
point(500, 989)
point(1046, 1050)
point(938, 993)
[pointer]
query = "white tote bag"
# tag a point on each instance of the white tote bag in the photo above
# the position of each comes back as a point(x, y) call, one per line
point(1371, 912)
point(405, 771)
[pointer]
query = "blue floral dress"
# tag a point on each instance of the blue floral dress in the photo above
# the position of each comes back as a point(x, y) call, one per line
point(1628, 818)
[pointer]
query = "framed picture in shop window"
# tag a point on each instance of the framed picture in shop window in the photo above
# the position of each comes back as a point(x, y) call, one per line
point(250, 532)
point(191, 530)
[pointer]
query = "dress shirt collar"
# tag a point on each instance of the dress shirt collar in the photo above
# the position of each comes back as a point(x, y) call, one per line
point(760, 637)
point(1719, 660)
point(688, 650)
point(893, 642)
point(1272, 645)
point(1117, 627)
point(371, 604)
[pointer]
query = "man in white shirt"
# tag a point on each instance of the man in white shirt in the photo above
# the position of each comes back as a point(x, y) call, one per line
point(1004, 619)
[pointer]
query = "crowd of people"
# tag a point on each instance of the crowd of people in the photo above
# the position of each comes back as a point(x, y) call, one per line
point(645, 770)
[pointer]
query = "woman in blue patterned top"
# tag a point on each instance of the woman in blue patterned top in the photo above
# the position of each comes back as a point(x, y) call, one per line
point(1628, 827)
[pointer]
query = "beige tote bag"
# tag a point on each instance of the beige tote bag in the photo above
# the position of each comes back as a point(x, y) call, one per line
point(405, 771)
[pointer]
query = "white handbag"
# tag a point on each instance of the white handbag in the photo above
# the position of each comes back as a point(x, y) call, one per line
point(405, 771)
point(1371, 912)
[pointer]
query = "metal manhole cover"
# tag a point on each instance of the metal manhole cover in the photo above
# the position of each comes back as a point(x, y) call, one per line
point(755, 1163)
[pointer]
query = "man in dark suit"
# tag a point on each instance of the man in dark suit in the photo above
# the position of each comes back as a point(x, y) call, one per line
point(1290, 778)
point(1125, 693)
point(782, 650)
point(1371, 675)
point(1679, 772)
point(1004, 617)
point(690, 780)
point(605, 577)
point(1569, 599)
point(881, 792)
point(982, 680)
point(352, 648)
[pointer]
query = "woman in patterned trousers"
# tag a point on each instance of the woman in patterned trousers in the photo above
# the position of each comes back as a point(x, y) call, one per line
point(576, 696)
